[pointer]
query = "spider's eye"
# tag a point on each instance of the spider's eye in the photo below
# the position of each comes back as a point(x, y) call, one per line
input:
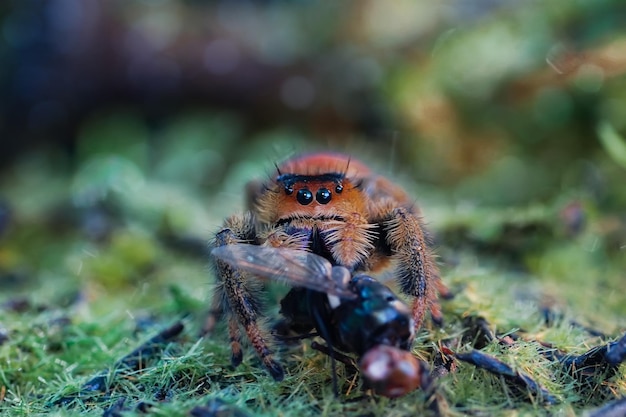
point(323, 196)
point(304, 196)
point(339, 188)
point(288, 189)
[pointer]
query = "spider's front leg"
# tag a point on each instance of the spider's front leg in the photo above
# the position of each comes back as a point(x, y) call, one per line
point(235, 293)
point(416, 270)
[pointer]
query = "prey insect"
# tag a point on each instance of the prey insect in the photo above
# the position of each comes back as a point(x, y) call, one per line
point(336, 208)
point(355, 314)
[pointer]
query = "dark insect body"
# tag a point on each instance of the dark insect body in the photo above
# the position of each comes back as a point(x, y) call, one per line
point(354, 314)
point(334, 207)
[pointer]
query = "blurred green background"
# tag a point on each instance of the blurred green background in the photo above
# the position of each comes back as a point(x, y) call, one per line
point(128, 130)
point(453, 92)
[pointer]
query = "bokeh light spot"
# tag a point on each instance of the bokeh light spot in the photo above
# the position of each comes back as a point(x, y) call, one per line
point(221, 56)
point(297, 92)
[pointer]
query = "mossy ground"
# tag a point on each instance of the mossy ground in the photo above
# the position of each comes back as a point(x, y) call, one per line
point(505, 120)
point(98, 259)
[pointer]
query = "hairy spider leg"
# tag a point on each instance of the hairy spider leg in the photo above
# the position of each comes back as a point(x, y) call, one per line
point(237, 294)
point(416, 271)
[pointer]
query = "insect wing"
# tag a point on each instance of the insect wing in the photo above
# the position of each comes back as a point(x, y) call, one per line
point(292, 266)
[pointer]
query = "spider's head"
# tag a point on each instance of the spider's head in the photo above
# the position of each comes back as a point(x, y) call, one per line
point(328, 195)
point(322, 186)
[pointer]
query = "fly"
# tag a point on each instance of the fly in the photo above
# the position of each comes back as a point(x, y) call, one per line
point(353, 313)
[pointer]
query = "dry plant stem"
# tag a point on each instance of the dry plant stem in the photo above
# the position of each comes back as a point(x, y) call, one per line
point(497, 367)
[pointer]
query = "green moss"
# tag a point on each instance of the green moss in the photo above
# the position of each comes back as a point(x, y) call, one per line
point(505, 158)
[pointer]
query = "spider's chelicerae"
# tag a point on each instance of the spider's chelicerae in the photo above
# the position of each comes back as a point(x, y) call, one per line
point(335, 207)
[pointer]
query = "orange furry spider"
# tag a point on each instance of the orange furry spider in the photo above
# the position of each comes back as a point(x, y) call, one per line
point(337, 208)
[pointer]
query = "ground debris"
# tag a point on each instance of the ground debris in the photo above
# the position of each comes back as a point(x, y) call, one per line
point(515, 378)
point(116, 409)
point(604, 359)
point(131, 362)
point(216, 407)
point(551, 316)
point(615, 408)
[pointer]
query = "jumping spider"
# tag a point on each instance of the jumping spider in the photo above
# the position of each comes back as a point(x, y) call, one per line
point(337, 208)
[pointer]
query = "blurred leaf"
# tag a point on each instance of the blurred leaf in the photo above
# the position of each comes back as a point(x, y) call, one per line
point(104, 175)
point(120, 133)
point(612, 142)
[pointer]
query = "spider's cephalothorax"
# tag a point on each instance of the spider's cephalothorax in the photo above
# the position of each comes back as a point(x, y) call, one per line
point(335, 207)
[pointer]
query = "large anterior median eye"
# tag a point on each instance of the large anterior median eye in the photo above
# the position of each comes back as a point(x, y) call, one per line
point(323, 196)
point(304, 196)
